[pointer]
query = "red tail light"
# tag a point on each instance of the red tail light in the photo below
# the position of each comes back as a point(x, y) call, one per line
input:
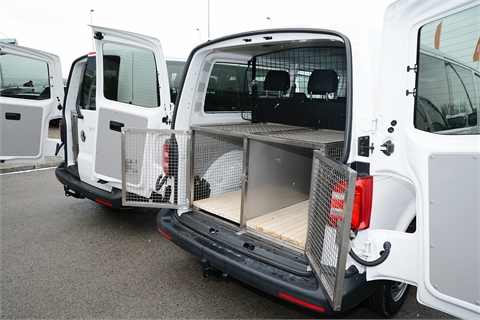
point(165, 158)
point(362, 203)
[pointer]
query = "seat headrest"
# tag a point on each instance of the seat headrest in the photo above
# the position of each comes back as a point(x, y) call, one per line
point(176, 82)
point(277, 80)
point(212, 84)
point(322, 81)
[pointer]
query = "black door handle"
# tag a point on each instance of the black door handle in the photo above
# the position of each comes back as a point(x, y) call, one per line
point(116, 126)
point(12, 116)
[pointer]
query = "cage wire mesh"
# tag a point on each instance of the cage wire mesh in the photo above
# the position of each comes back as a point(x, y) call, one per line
point(327, 240)
point(217, 164)
point(300, 86)
point(154, 162)
point(75, 146)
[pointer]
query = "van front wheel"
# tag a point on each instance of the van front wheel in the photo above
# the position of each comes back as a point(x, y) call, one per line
point(389, 299)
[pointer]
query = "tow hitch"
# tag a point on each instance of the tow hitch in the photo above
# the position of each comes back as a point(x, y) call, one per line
point(69, 193)
point(209, 270)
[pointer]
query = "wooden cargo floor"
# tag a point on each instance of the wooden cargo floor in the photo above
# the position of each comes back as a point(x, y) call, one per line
point(289, 223)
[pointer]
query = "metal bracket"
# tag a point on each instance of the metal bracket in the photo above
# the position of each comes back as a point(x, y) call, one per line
point(388, 147)
point(364, 147)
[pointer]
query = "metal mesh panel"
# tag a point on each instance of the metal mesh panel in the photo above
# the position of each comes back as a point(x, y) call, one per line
point(217, 164)
point(328, 141)
point(75, 146)
point(253, 127)
point(153, 163)
point(332, 192)
point(315, 96)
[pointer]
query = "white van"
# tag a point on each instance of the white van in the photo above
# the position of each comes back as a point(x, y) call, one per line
point(320, 166)
point(91, 127)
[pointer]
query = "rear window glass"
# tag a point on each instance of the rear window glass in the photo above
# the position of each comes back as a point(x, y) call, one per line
point(448, 83)
point(23, 78)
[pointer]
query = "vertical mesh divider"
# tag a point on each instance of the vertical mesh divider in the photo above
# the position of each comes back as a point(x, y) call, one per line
point(75, 146)
point(331, 201)
point(155, 168)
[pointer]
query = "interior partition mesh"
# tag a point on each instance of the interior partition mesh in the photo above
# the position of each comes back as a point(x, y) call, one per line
point(302, 87)
point(331, 200)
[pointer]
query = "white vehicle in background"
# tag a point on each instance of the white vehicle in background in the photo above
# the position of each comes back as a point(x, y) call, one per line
point(91, 129)
point(317, 165)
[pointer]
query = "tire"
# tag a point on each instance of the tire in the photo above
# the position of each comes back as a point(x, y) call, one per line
point(389, 299)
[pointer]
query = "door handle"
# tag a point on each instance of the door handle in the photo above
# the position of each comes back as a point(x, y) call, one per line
point(12, 116)
point(116, 126)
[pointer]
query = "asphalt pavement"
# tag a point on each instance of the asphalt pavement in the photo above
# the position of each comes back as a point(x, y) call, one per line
point(64, 258)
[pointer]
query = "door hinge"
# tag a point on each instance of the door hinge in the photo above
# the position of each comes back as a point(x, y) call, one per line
point(414, 68)
point(364, 146)
point(98, 35)
point(414, 92)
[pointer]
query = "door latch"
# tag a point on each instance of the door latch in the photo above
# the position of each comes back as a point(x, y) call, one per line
point(387, 147)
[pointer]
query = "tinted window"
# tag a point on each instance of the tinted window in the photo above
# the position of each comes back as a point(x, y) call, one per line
point(87, 99)
point(225, 90)
point(448, 75)
point(130, 75)
point(175, 72)
point(23, 78)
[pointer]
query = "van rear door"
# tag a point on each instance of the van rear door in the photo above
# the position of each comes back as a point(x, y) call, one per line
point(32, 93)
point(132, 90)
point(440, 159)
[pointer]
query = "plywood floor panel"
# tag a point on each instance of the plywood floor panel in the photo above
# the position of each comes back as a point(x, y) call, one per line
point(289, 224)
point(226, 206)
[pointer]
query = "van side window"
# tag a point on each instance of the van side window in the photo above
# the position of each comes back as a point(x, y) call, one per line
point(175, 72)
point(23, 78)
point(448, 85)
point(87, 98)
point(130, 75)
point(225, 89)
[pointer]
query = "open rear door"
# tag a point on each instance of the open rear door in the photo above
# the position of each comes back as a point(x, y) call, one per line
point(32, 92)
point(430, 137)
point(132, 90)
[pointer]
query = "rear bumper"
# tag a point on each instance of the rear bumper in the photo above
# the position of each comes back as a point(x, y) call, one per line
point(71, 182)
point(306, 291)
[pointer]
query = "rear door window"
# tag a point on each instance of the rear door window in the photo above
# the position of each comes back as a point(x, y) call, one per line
point(23, 78)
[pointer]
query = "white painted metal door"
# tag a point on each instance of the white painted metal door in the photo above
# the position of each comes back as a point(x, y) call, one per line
point(440, 158)
point(31, 93)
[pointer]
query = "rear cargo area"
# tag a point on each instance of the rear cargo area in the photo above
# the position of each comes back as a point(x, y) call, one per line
point(258, 175)
point(255, 174)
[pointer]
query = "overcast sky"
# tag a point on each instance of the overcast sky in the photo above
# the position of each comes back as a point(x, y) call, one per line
point(61, 27)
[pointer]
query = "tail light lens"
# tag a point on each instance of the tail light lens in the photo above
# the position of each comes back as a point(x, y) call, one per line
point(362, 203)
point(165, 158)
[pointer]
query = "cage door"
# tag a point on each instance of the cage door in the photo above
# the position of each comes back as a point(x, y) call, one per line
point(156, 168)
point(331, 200)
